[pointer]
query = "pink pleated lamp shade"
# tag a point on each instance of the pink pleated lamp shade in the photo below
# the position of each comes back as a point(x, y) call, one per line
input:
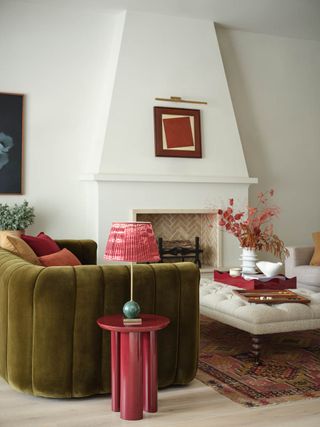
point(132, 241)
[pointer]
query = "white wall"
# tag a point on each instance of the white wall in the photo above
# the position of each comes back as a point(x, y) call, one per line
point(90, 79)
point(275, 88)
point(61, 59)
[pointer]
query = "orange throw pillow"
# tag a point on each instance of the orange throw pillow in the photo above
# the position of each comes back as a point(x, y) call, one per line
point(63, 257)
point(315, 260)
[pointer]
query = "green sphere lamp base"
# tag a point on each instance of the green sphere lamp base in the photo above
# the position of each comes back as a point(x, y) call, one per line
point(131, 310)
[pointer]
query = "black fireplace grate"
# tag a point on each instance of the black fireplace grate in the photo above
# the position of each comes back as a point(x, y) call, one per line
point(180, 249)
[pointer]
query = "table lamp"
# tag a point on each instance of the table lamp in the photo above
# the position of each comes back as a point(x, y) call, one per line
point(132, 242)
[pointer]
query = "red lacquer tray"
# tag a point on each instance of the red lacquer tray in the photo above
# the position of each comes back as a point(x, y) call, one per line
point(240, 282)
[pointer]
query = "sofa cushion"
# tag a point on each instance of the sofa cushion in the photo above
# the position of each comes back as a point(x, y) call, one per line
point(4, 242)
point(22, 249)
point(63, 257)
point(42, 244)
point(308, 274)
point(315, 260)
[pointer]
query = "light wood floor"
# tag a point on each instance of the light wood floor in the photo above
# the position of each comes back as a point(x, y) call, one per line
point(195, 405)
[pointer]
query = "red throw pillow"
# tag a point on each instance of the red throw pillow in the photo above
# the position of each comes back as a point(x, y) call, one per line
point(63, 257)
point(42, 244)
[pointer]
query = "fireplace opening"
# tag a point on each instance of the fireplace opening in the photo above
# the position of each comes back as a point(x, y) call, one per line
point(178, 227)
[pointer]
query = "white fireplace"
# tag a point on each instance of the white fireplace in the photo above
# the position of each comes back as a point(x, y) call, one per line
point(127, 175)
point(136, 197)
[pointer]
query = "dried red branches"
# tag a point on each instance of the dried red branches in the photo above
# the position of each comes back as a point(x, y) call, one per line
point(253, 228)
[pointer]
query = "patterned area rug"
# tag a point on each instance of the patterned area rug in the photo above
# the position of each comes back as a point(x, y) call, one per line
point(290, 367)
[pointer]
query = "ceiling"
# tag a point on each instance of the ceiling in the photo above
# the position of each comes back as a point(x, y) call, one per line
point(288, 18)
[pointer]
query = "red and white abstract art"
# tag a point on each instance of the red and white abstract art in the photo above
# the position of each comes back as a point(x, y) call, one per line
point(177, 132)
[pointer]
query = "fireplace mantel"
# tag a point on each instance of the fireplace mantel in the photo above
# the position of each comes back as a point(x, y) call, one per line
point(100, 177)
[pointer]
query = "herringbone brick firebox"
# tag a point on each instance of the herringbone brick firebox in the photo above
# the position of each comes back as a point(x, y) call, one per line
point(186, 225)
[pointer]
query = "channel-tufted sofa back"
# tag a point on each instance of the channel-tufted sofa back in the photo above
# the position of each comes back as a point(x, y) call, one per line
point(50, 344)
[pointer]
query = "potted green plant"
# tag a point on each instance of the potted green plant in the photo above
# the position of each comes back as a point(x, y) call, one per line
point(15, 219)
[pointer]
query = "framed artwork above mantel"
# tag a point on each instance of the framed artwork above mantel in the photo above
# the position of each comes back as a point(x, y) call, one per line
point(11, 143)
point(177, 132)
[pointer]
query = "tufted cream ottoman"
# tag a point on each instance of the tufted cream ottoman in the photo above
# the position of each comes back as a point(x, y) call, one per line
point(219, 302)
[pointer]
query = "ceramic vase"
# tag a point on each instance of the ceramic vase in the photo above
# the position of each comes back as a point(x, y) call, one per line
point(248, 261)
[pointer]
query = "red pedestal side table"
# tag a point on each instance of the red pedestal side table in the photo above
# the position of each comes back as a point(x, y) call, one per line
point(134, 364)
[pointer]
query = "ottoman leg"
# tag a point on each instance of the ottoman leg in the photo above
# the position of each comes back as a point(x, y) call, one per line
point(256, 347)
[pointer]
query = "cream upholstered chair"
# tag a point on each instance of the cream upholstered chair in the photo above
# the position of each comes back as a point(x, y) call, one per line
point(298, 265)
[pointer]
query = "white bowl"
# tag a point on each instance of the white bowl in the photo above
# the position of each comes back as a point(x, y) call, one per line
point(269, 268)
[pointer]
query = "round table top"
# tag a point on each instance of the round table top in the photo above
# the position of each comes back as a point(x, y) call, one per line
point(150, 322)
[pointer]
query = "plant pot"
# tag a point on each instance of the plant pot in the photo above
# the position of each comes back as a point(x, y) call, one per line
point(248, 261)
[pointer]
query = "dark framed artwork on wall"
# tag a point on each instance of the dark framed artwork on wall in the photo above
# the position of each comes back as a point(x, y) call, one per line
point(11, 143)
point(177, 132)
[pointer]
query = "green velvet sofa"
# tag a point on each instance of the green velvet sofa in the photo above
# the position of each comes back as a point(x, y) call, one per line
point(50, 344)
